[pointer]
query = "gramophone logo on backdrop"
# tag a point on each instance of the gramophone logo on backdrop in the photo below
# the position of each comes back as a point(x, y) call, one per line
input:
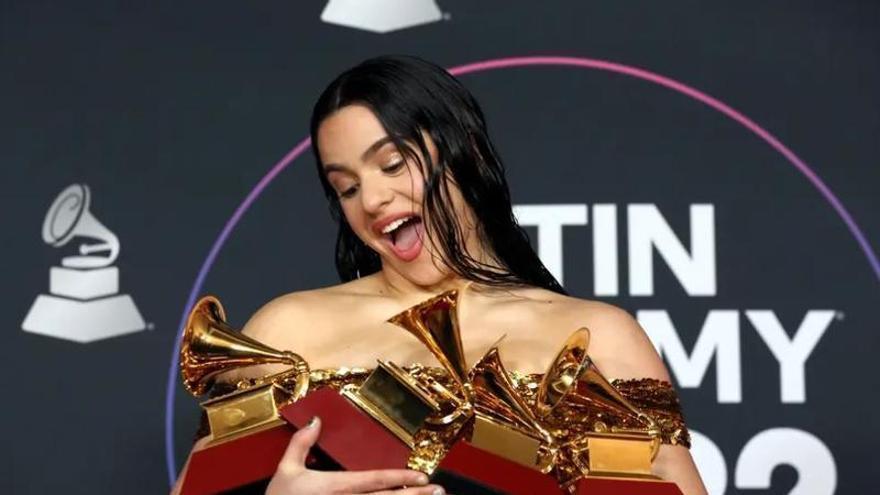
point(381, 16)
point(83, 303)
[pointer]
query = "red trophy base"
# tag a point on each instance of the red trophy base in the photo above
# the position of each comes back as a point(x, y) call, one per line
point(472, 470)
point(620, 486)
point(469, 469)
point(349, 440)
point(233, 464)
point(352, 439)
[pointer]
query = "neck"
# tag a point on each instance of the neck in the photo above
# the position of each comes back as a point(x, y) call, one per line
point(399, 287)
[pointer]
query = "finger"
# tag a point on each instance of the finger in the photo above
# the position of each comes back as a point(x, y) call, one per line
point(382, 479)
point(300, 443)
point(418, 490)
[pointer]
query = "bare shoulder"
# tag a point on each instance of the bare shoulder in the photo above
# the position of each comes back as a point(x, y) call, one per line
point(314, 324)
point(601, 318)
point(618, 344)
point(269, 322)
point(303, 315)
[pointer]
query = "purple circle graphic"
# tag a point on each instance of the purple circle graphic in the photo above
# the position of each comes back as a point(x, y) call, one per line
point(489, 65)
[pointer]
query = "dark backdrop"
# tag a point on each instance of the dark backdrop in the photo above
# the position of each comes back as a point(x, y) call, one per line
point(172, 112)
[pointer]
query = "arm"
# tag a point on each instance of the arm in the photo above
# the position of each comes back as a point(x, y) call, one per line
point(674, 463)
point(621, 349)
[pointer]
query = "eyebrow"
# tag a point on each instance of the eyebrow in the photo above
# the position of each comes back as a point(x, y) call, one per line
point(370, 151)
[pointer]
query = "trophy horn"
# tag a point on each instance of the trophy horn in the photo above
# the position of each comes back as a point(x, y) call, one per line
point(69, 217)
point(496, 396)
point(573, 373)
point(435, 323)
point(210, 347)
point(601, 393)
point(565, 370)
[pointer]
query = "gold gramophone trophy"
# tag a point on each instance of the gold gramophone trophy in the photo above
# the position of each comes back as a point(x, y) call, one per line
point(525, 439)
point(210, 347)
point(243, 422)
point(610, 451)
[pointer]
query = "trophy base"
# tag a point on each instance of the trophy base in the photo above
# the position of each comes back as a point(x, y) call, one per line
point(237, 464)
point(245, 412)
point(83, 284)
point(353, 439)
point(349, 440)
point(602, 485)
point(83, 321)
point(473, 470)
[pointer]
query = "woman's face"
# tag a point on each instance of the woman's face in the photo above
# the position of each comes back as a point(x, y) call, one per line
point(380, 192)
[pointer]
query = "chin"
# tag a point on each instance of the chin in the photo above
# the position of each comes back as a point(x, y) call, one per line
point(423, 272)
point(428, 278)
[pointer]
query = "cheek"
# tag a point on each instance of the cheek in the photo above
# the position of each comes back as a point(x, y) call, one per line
point(412, 184)
point(418, 190)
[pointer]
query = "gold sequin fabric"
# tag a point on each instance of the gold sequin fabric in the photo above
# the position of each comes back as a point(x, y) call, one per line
point(660, 401)
point(572, 419)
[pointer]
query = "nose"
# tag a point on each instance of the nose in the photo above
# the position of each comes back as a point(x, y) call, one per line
point(375, 195)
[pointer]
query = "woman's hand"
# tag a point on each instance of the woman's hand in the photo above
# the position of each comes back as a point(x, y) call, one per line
point(293, 478)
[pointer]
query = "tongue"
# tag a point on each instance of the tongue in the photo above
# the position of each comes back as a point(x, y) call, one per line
point(406, 236)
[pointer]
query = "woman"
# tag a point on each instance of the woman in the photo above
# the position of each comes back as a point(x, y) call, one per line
point(423, 206)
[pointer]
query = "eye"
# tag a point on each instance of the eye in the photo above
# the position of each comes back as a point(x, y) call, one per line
point(394, 166)
point(347, 193)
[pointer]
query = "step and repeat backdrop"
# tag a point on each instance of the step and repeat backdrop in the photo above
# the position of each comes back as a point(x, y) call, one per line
point(711, 167)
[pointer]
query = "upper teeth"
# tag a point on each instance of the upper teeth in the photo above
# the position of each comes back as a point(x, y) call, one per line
point(393, 225)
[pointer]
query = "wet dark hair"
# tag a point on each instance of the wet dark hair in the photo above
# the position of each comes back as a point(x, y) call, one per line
point(409, 95)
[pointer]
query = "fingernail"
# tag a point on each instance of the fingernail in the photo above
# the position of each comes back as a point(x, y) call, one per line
point(312, 422)
point(422, 479)
point(438, 491)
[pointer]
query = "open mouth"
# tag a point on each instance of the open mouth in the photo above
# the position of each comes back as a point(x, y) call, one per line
point(405, 236)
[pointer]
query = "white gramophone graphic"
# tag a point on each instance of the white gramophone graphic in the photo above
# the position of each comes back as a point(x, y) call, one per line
point(83, 303)
point(381, 16)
